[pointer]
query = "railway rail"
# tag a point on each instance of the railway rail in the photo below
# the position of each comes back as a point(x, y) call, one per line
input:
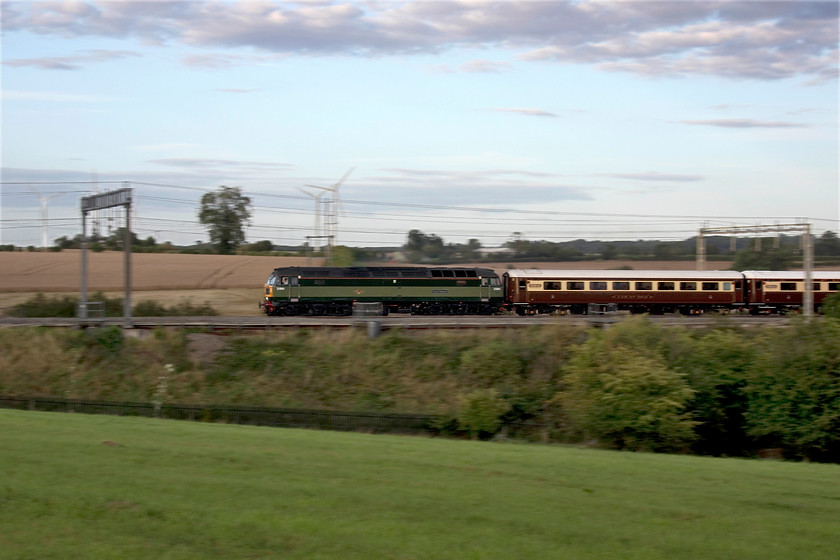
point(378, 324)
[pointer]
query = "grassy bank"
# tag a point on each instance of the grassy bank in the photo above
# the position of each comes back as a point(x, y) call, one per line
point(634, 386)
point(93, 487)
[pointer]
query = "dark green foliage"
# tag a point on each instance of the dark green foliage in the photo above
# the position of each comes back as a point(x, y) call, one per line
point(828, 245)
point(716, 369)
point(831, 306)
point(481, 411)
point(715, 391)
point(65, 306)
point(793, 392)
point(105, 339)
point(226, 212)
point(767, 259)
point(43, 306)
point(185, 308)
point(261, 246)
point(619, 390)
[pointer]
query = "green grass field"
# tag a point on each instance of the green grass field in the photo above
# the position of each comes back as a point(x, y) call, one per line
point(75, 486)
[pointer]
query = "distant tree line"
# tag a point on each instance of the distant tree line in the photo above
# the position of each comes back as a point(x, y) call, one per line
point(777, 253)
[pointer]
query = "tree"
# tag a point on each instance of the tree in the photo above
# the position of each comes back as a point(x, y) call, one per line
point(423, 246)
point(793, 395)
point(828, 245)
point(225, 212)
point(263, 246)
point(770, 259)
point(622, 393)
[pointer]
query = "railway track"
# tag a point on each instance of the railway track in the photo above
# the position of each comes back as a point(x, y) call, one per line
point(377, 324)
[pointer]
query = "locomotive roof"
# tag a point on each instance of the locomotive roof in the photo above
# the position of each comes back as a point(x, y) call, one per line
point(375, 271)
point(624, 274)
point(791, 274)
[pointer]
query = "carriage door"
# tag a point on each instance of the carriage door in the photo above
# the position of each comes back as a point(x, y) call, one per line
point(756, 291)
point(293, 285)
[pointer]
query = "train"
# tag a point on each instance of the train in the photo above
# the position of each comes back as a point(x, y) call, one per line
point(291, 291)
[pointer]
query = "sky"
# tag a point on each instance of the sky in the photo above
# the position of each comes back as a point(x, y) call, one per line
point(610, 120)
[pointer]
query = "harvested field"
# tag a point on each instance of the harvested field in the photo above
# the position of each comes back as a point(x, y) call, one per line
point(61, 272)
point(231, 283)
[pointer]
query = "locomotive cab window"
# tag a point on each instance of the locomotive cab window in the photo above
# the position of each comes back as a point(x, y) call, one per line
point(495, 281)
point(644, 285)
point(284, 280)
point(665, 286)
point(688, 286)
point(621, 285)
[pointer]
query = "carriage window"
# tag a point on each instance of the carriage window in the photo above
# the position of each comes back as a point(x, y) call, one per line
point(644, 285)
point(788, 286)
point(665, 286)
point(688, 285)
point(834, 286)
point(710, 286)
point(621, 285)
point(576, 285)
point(816, 286)
point(523, 284)
point(553, 286)
point(597, 285)
point(727, 286)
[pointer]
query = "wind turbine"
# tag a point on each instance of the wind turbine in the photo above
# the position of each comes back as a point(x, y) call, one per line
point(317, 198)
point(333, 208)
point(44, 199)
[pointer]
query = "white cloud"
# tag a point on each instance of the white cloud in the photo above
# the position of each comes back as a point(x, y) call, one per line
point(522, 111)
point(740, 39)
point(745, 123)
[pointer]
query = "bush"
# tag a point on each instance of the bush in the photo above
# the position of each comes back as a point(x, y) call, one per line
point(626, 398)
point(831, 306)
point(65, 306)
point(480, 412)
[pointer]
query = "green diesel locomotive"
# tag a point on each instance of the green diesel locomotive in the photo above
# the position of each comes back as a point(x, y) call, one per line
point(417, 290)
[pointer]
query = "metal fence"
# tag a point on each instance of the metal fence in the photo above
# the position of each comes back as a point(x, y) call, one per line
point(252, 415)
point(371, 422)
